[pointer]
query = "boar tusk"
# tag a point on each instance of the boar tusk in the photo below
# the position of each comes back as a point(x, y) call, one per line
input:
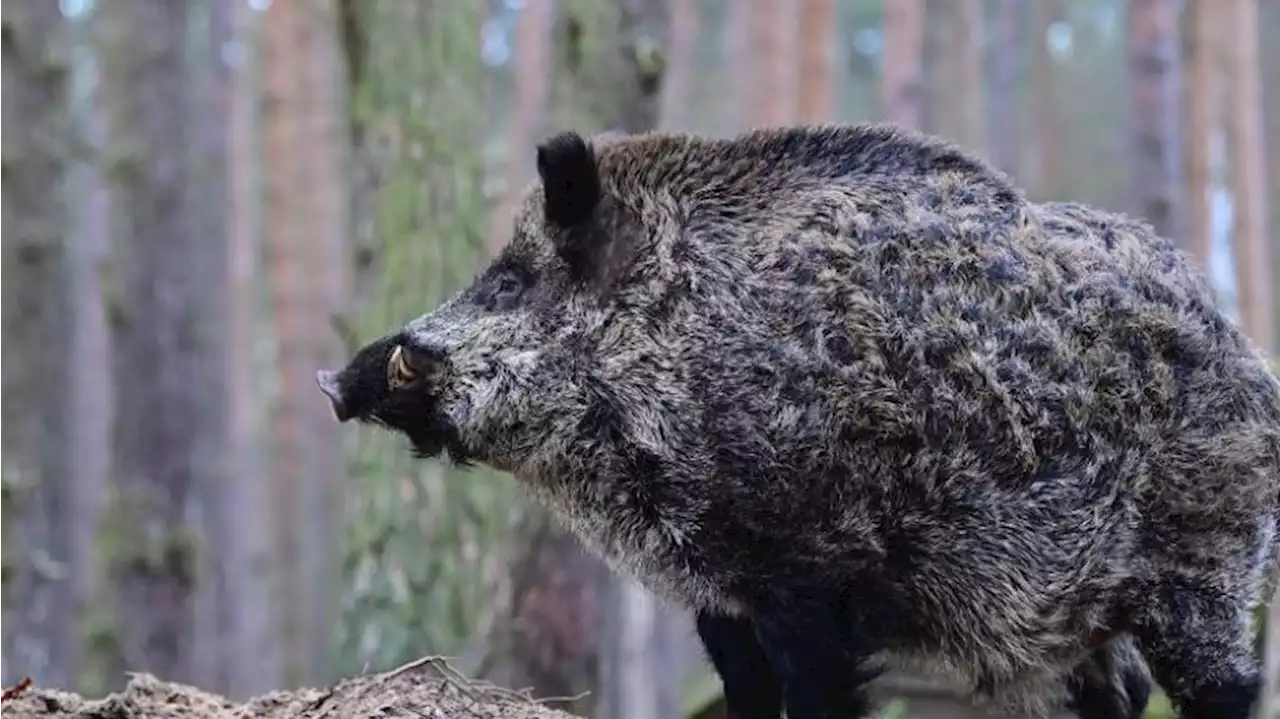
point(398, 369)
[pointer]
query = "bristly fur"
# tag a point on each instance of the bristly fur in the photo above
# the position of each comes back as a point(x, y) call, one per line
point(847, 385)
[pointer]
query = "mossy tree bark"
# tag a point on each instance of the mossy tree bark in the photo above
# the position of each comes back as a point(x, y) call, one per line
point(91, 385)
point(773, 43)
point(683, 41)
point(1004, 102)
point(1155, 83)
point(1202, 60)
point(527, 114)
point(41, 562)
point(167, 286)
point(234, 639)
point(306, 230)
point(1048, 182)
point(958, 72)
point(422, 538)
point(1248, 180)
point(566, 624)
point(1269, 23)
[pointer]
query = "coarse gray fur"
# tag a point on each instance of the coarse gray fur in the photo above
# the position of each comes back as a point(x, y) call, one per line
point(852, 370)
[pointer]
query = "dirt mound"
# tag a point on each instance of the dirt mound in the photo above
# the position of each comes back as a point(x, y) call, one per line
point(426, 689)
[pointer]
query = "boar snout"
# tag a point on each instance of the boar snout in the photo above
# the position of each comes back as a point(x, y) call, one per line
point(330, 382)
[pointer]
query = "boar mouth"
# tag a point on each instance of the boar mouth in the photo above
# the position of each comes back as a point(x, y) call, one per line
point(442, 438)
point(399, 402)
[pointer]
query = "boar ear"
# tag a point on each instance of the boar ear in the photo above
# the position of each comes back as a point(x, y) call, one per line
point(570, 179)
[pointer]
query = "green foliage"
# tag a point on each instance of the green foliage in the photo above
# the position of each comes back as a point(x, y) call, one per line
point(102, 649)
point(895, 709)
point(1159, 707)
point(419, 557)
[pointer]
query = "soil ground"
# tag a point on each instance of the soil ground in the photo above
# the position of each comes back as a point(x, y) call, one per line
point(427, 689)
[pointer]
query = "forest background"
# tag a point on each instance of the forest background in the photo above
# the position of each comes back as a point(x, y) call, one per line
point(206, 200)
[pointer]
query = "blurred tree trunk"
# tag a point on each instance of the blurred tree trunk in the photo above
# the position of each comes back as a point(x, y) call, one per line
point(566, 625)
point(960, 73)
point(246, 326)
point(547, 628)
point(738, 68)
point(1202, 46)
point(525, 120)
point(234, 632)
point(169, 334)
point(1248, 175)
point(209, 29)
point(40, 497)
point(817, 41)
point(1269, 22)
point(1154, 84)
point(420, 231)
point(306, 230)
point(771, 71)
point(640, 678)
point(1006, 91)
point(678, 79)
point(933, 76)
point(1044, 84)
point(254, 648)
point(902, 74)
point(91, 385)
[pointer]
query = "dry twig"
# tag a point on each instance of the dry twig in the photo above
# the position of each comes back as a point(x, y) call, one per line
point(16, 690)
point(473, 689)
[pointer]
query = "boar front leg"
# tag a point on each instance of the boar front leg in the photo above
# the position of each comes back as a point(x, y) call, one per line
point(751, 687)
point(821, 654)
point(1112, 683)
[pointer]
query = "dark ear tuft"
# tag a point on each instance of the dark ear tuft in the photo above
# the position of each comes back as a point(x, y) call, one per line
point(570, 179)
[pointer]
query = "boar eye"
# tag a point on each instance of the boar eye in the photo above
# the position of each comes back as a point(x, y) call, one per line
point(507, 291)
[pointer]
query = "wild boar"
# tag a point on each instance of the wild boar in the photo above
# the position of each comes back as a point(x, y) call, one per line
point(850, 397)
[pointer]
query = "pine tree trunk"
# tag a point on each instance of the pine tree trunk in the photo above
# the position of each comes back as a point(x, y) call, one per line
point(306, 230)
point(527, 114)
point(91, 385)
point(42, 567)
point(1044, 98)
point(1155, 83)
point(678, 79)
point(771, 81)
point(640, 676)
point(418, 175)
point(959, 73)
point(168, 332)
point(1199, 101)
point(566, 625)
point(1269, 23)
point(1248, 176)
point(902, 80)
point(234, 630)
point(738, 68)
point(1004, 101)
point(816, 81)
point(252, 644)
point(969, 85)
